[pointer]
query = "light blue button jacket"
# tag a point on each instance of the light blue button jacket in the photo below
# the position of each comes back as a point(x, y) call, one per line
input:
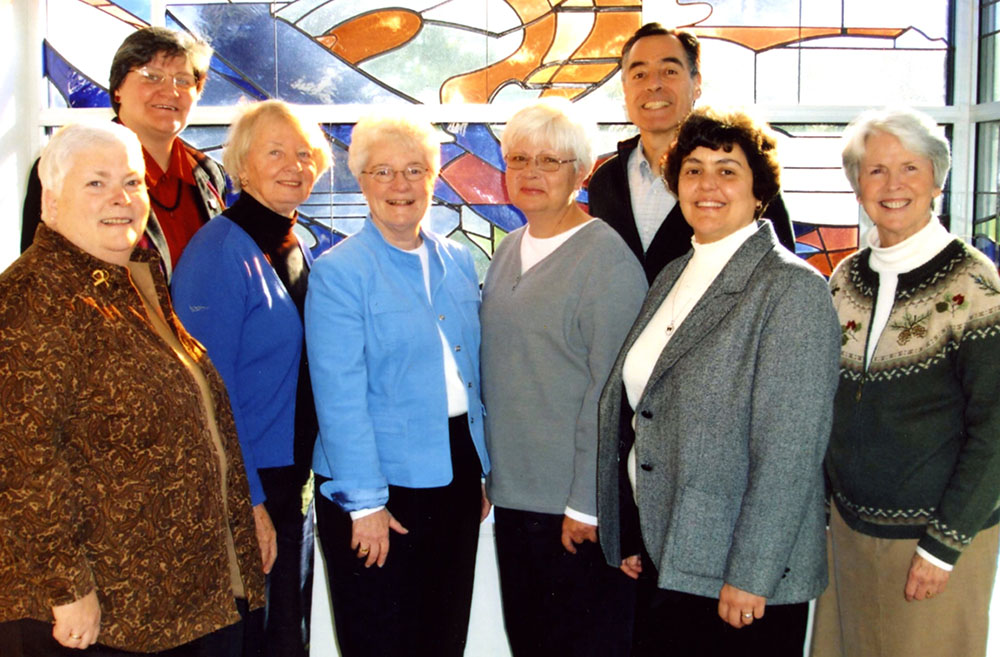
point(377, 366)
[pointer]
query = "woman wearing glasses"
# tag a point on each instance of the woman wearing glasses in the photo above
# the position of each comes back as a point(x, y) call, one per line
point(560, 295)
point(392, 334)
point(157, 76)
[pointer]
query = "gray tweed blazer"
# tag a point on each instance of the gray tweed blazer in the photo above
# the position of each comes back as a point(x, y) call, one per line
point(730, 431)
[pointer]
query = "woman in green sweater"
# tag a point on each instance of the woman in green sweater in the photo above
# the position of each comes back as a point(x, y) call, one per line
point(914, 456)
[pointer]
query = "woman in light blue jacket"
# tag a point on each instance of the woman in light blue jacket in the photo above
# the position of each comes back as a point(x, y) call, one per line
point(392, 330)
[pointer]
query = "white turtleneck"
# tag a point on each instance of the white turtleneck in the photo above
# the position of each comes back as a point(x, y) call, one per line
point(891, 261)
point(703, 268)
point(706, 263)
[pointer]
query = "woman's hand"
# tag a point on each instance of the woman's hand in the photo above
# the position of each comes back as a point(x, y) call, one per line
point(370, 536)
point(266, 537)
point(632, 566)
point(486, 506)
point(78, 623)
point(575, 532)
point(735, 605)
point(925, 580)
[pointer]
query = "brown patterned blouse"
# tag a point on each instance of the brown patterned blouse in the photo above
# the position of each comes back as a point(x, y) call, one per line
point(108, 473)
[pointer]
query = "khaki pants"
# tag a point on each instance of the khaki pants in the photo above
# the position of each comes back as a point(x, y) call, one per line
point(863, 613)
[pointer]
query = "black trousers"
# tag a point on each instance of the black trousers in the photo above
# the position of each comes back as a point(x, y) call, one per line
point(281, 629)
point(556, 603)
point(418, 602)
point(675, 624)
point(32, 638)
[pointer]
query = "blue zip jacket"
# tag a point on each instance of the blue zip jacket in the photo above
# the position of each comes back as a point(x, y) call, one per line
point(377, 367)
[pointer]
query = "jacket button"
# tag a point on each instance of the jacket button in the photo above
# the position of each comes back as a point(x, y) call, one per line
point(441, 317)
point(470, 384)
point(647, 467)
point(458, 347)
point(646, 413)
point(472, 420)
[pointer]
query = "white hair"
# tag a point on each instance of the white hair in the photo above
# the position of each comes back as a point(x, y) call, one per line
point(916, 131)
point(552, 123)
point(400, 130)
point(75, 140)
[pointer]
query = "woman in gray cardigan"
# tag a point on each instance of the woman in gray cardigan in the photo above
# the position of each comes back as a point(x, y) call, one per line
point(558, 299)
point(716, 415)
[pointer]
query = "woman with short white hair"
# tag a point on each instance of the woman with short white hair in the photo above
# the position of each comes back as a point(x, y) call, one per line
point(392, 330)
point(240, 288)
point(914, 456)
point(558, 299)
point(124, 509)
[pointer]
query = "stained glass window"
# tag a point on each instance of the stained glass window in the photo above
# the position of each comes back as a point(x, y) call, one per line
point(986, 227)
point(499, 53)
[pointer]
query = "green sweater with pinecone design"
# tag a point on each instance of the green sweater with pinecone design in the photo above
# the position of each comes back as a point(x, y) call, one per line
point(915, 446)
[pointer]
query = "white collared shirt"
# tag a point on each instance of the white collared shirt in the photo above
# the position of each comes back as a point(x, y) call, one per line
point(651, 200)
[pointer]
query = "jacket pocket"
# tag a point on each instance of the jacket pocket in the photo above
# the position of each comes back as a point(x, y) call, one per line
point(391, 323)
point(702, 528)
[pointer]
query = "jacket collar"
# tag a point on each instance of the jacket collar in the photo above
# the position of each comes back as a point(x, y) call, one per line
point(87, 271)
point(720, 298)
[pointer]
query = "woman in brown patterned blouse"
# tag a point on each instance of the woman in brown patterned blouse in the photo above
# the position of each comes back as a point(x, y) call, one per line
point(124, 508)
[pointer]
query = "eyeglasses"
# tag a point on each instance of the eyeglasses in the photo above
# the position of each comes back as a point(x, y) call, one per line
point(542, 162)
point(153, 77)
point(386, 175)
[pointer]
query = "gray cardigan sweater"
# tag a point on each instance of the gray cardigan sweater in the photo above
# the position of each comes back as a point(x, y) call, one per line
point(549, 338)
point(730, 431)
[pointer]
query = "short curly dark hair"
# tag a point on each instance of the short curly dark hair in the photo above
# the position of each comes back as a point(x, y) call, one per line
point(142, 47)
point(720, 130)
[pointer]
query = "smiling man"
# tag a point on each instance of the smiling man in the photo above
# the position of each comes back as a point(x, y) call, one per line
point(661, 80)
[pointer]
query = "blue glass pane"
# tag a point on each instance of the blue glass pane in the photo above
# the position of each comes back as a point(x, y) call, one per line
point(443, 191)
point(449, 152)
point(506, 217)
point(478, 138)
point(76, 88)
point(277, 58)
point(138, 8)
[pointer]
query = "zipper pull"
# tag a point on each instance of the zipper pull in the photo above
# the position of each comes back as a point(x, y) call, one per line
point(857, 395)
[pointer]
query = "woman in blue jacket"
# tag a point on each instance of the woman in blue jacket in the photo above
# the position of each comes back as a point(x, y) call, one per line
point(392, 328)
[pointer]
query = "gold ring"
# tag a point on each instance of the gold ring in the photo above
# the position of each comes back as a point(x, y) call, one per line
point(747, 614)
point(76, 637)
point(363, 550)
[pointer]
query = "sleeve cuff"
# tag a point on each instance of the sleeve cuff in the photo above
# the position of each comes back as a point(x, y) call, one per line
point(934, 560)
point(585, 518)
point(355, 500)
point(361, 513)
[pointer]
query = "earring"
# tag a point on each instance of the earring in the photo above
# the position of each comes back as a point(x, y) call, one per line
point(759, 205)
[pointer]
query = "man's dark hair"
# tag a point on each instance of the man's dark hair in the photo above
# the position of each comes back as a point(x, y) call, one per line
point(692, 48)
point(142, 47)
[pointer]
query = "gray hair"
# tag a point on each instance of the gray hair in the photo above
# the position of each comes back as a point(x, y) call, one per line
point(375, 129)
point(548, 123)
point(142, 46)
point(75, 140)
point(916, 131)
point(248, 121)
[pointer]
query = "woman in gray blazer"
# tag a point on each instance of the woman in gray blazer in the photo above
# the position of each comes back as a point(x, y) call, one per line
point(714, 421)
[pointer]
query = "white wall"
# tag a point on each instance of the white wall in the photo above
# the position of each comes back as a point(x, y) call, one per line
point(19, 107)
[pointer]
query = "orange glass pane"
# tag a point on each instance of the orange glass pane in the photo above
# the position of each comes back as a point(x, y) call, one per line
point(371, 34)
point(839, 237)
point(611, 31)
point(478, 86)
point(475, 181)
